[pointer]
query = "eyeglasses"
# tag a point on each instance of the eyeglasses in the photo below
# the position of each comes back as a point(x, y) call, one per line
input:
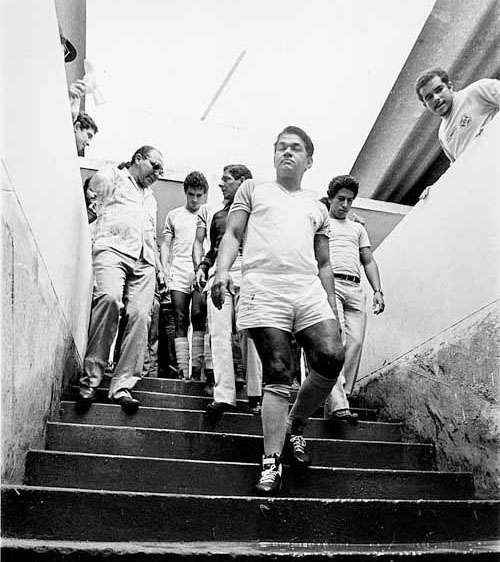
point(157, 167)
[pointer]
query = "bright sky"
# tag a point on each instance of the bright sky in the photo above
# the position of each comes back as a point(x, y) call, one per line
point(325, 65)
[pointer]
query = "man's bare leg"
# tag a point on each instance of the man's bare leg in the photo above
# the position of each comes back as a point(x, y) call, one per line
point(273, 347)
point(180, 303)
point(325, 356)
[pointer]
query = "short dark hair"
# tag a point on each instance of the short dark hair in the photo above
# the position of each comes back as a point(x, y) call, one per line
point(326, 202)
point(238, 171)
point(342, 182)
point(86, 122)
point(429, 75)
point(195, 180)
point(292, 130)
point(144, 151)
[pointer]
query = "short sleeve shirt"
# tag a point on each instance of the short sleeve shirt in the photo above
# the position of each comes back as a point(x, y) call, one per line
point(346, 239)
point(126, 214)
point(473, 107)
point(180, 232)
point(279, 244)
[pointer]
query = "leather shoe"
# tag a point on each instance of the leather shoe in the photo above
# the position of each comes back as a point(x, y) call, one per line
point(344, 415)
point(86, 395)
point(215, 411)
point(128, 404)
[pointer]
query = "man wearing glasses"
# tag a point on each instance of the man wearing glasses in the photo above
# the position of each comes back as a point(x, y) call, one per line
point(125, 258)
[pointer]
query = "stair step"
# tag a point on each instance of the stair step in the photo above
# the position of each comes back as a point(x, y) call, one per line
point(173, 476)
point(148, 396)
point(112, 414)
point(30, 550)
point(172, 443)
point(68, 514)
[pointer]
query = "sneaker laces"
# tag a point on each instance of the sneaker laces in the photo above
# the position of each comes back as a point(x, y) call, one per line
point(298, 443)
point(270, 471)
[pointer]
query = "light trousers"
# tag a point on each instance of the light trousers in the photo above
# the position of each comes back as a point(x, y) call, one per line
point(220, 328)
point(351, 304)
point(120, 282)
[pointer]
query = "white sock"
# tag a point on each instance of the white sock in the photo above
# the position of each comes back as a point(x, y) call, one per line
point(197, 348)
point(274, 415)
point(207, 351)
point(182, 354)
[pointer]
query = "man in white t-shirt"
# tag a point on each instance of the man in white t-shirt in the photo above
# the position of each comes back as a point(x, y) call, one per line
point(349, 249)
point(464, 113)
point(287, 287)
point(175, 254)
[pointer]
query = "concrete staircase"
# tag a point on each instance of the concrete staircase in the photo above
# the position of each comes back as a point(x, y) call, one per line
point(163, 485)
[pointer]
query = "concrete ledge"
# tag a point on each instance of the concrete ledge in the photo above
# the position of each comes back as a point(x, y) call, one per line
point(445, 393)
point(39, 355)
point(67, 551)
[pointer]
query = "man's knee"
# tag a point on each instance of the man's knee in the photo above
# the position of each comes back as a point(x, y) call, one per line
point(328, 361)
point(109, 301)
point(136, 314)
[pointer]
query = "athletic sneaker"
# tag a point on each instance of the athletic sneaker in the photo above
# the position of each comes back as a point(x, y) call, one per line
point(296, 451)
point(269, 483)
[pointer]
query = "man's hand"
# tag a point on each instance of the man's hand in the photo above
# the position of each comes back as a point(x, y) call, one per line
point(378, 302)
point(425, 193)
point(222, 283)
point(200, 279)
point(77, 89)
point(160, 278)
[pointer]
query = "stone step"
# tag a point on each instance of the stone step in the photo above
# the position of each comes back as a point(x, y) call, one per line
point(30, 550)
point(173, 476)
point(179, 444)
point(112, 414)
point(76, 515)
point(156, 395)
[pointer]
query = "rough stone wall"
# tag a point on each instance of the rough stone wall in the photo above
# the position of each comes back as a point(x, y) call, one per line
point(39, 356)
point(446, 392)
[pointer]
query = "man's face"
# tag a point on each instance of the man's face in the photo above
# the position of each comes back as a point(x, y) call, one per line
point(229, 186)
point(290, 156)
point(83, 138)
point(437, 96)
point(195, 198)
point(150, 168)
point(341, 202)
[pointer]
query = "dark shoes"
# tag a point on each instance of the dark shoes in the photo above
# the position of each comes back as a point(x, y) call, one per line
point(215, 411)
point(296, 451)
point(255, 405)
point(86, 395)
point(128, 404)
point(269, 483)
point(195, 373)
point(344, 415)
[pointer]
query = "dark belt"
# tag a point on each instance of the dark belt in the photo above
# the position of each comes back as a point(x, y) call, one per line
point(353, 278)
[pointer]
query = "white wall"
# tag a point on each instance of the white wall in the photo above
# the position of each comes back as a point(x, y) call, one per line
point(440, 263)
point(39, 154)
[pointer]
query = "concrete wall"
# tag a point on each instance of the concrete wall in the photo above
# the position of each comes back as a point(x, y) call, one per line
point(431, 358)
point(72, 16)
point(46, 268)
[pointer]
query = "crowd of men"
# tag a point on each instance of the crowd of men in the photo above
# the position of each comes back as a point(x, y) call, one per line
point(270, 268)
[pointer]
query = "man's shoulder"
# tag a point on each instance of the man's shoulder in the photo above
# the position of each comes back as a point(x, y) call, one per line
point(478, 87)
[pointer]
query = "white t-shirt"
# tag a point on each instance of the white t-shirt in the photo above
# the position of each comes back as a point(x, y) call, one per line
point(473, 107)
point(179, 232)
point(279, 244)
point(346, 239)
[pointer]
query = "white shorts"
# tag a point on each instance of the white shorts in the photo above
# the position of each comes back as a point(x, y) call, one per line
point(291, 308)
point(181, 279)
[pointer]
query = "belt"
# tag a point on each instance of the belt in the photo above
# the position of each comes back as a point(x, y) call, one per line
point(353, 278)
